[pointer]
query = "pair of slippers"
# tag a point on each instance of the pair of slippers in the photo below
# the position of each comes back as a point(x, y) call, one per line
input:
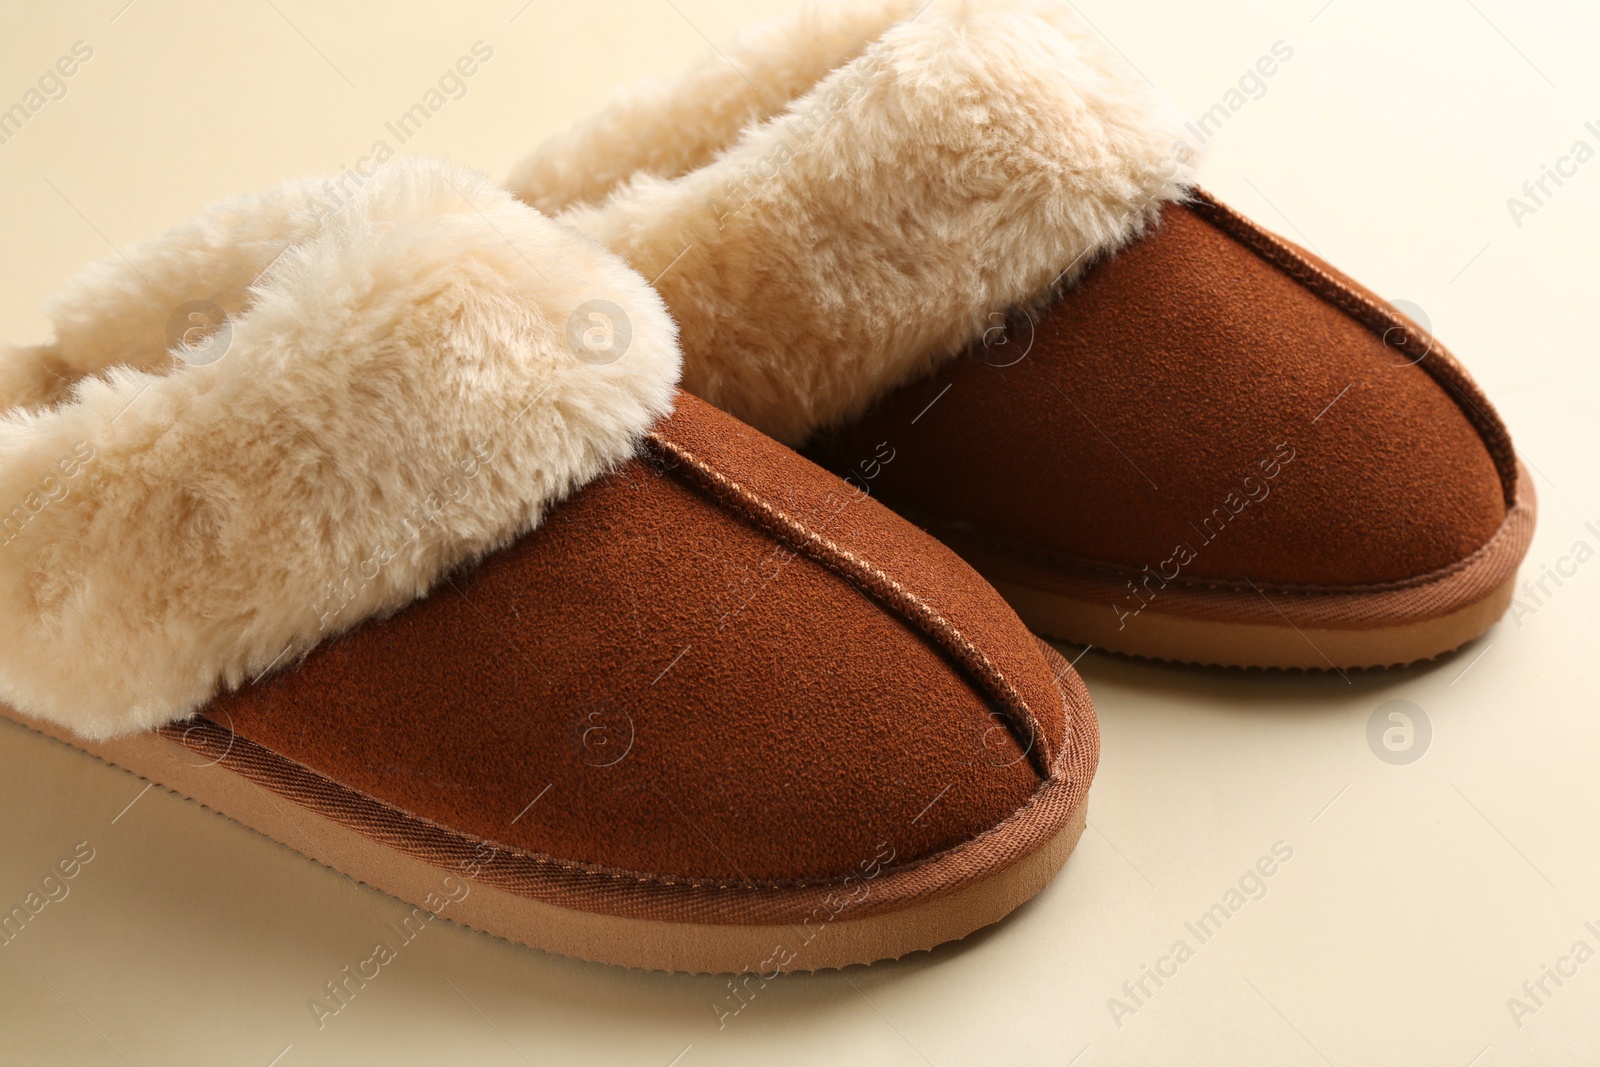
point(463, 546)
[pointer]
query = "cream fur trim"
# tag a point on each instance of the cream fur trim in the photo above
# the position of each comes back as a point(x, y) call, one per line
point(412, 381)
point(861, 228)
point(669, 129)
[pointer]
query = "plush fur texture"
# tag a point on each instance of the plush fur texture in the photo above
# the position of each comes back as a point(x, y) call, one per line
point(669, 129)
point(821, 242)
point(396, 395)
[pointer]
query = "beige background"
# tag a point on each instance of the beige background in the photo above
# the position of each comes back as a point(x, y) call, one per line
point(1419, 897)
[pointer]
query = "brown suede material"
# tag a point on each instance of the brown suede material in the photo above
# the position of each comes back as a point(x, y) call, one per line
point(883, 885)
point(901, 553)
point(651, 683)
point(1153, 401)
point(1395, 330)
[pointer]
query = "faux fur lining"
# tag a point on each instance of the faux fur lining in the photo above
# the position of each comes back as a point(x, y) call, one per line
point(668, 129)
point(954, 162)
point(399, 386)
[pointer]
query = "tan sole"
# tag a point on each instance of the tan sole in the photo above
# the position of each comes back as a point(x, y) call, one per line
point(1243, 625)
point(1213, 643)
point(853, 929)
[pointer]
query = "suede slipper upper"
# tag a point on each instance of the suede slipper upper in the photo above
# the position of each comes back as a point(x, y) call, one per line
point(386, 532)
point(957, 251)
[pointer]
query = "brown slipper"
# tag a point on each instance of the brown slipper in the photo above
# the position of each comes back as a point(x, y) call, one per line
point(386, 544)
point(957, 251)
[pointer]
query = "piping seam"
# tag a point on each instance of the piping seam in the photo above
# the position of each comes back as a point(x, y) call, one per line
point(885, 590)
point(1377, 320)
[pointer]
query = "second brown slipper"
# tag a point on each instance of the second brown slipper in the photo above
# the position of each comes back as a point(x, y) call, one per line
point(955, 249)
point(380, 527)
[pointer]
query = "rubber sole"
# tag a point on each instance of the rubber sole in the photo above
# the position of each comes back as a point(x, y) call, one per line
point(845, 930)
point(1241, 624)
point(1216, 643)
